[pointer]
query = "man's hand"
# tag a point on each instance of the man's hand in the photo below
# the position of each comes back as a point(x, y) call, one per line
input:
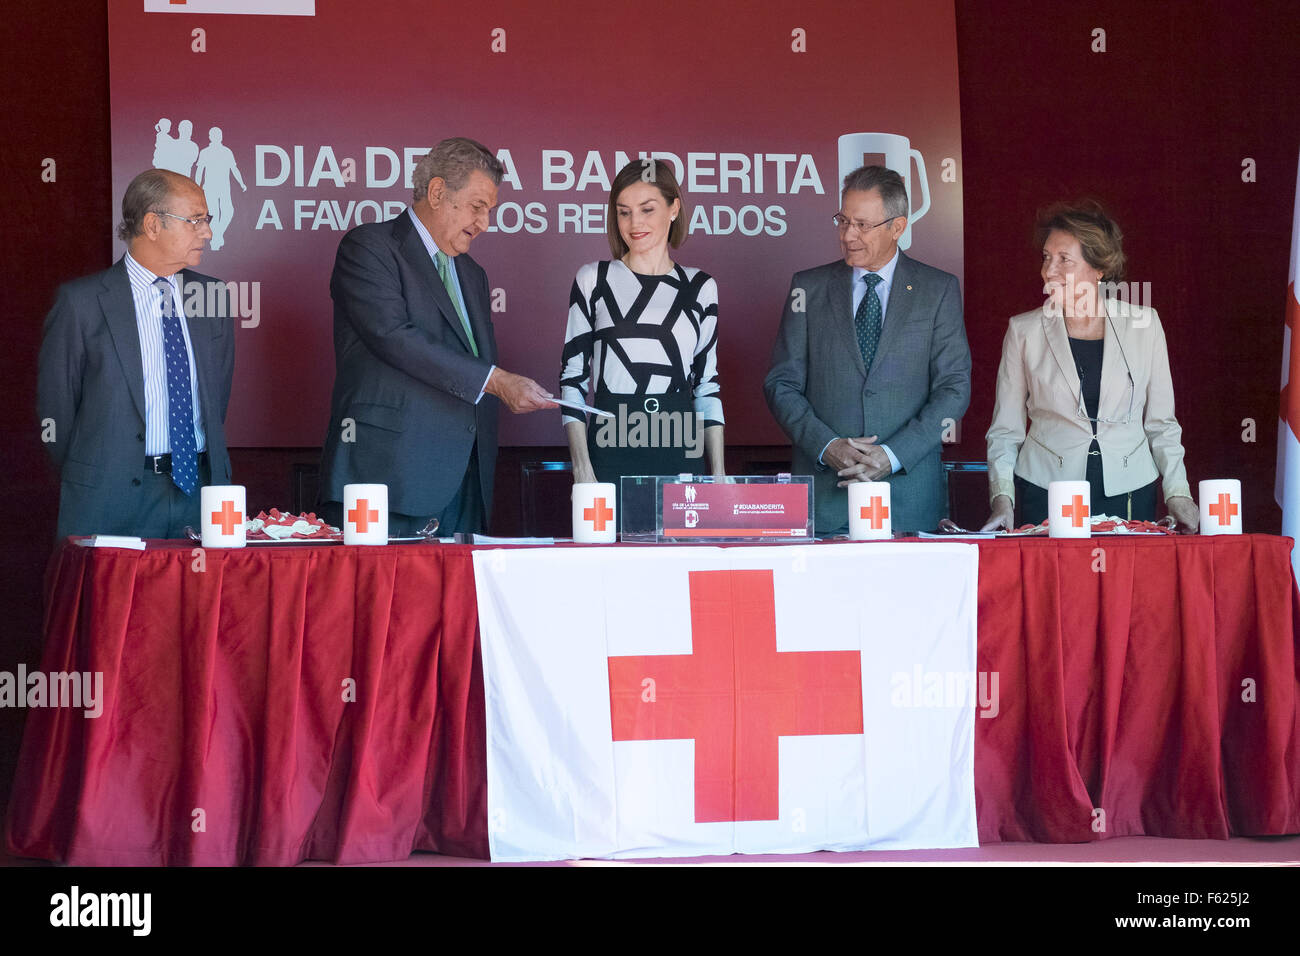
point(865, 460)
point(520, 394)
point(843, 453)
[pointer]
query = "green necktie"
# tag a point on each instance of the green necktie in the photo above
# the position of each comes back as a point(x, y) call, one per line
point(445, 274)
point(867, 321)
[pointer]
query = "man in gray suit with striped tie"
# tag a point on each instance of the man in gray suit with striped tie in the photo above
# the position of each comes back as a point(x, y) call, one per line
point(870, 364)
point(134, 373)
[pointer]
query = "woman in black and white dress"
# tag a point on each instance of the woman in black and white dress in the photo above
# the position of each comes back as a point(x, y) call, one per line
point(643, 336)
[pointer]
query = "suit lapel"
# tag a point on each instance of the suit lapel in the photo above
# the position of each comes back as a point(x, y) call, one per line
point(477, 310)
point(1059, 345)
point(899, 311)
point(413, 250)
point(201, 333)
point(118, 306)
point(840, 292)
point(1114, 403)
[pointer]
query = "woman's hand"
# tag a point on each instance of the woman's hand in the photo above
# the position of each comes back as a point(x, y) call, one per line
point(1002, 517)
point(1183, 515)
point(583, 472)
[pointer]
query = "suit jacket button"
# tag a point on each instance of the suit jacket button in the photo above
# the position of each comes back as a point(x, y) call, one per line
point(135, 481)
point(471, 429)
point(139, 437)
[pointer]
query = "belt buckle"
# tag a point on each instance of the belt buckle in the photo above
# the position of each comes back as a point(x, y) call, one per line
point(156, 460)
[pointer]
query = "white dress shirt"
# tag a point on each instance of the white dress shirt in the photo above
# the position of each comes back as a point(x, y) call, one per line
point(148, 323)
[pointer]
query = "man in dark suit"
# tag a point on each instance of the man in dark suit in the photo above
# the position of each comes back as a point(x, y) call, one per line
point(871, 364)
point(134, 373)
point(416, 387)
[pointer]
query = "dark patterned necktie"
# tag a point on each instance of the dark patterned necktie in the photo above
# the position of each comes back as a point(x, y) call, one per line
point(867, 320)
point(180, 402)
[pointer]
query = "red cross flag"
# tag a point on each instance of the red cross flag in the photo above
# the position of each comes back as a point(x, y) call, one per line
point(721, 700)
point(1287, 486)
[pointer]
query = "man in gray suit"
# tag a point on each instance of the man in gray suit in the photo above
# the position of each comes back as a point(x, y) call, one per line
point(416, 387)
point(870, 364)
point(134, 373)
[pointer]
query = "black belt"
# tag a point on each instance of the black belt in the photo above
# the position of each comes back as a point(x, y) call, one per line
point(162, 464)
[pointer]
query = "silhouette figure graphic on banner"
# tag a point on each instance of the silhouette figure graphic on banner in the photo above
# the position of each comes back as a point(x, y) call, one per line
point(177, 154)
point(163, 143)
point(216, 165)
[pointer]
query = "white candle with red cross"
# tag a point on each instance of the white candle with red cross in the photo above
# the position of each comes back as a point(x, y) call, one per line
point(1069, 509)
point(594, 518)
point(222, 516)
point(869, 511)
point(365, 514)
point(1220, 506)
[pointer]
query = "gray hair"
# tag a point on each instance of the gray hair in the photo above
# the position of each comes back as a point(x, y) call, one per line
point(453, 160)
point(892, 191)
point(147, 192)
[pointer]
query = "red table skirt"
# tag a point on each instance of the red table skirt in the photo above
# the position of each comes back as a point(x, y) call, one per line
point(282, 704)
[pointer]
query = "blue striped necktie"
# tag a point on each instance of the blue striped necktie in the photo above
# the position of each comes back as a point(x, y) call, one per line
point(180, 400)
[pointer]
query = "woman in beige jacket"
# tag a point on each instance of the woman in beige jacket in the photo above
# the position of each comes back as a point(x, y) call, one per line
point(1084, 389)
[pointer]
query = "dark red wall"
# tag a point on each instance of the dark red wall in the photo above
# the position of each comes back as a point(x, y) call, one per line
point(1157, 127)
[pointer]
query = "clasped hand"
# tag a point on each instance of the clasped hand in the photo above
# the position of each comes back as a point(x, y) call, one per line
point(857, 459)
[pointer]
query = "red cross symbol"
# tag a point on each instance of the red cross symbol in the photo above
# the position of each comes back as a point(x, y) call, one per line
point(1224, 510)
point(736, 695)
point(362, 515)
point(227, 517)
point(1290, 409)
point(877, 513)
point(598, 514)
point(1076, 511)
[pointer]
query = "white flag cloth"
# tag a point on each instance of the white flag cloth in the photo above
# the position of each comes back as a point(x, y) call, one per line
point(1287, 486)
point(648, 702)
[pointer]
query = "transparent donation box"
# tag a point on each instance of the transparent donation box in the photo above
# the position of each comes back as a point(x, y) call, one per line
point(698, 508)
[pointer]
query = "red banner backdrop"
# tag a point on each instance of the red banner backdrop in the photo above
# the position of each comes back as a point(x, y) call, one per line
point(301, 126)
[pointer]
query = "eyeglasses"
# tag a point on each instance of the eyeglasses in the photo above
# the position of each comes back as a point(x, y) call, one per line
point(1082, 411)
point(196, 223)
point(844, 223)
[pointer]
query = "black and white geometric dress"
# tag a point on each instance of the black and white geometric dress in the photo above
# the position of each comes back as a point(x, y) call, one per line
point(636, 336)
